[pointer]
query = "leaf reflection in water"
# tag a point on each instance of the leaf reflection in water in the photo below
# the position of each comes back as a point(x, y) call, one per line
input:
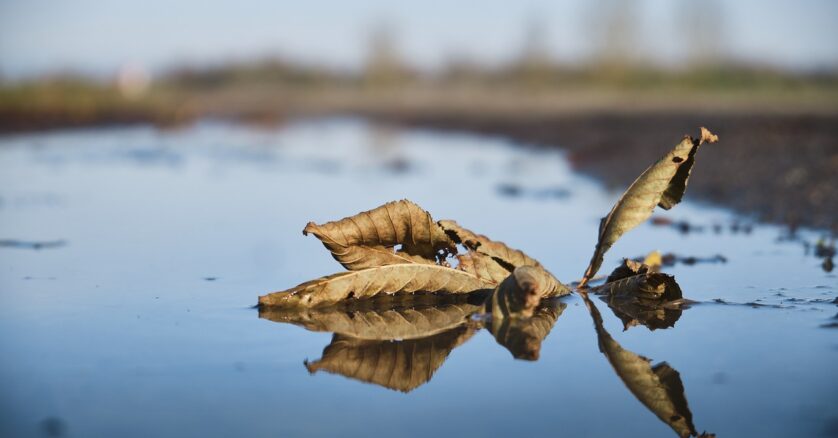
point(523, 336)
point(400, 365)
point(399, 342)
point(658, 387)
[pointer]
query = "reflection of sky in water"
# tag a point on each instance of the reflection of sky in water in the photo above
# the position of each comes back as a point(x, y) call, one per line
point(130, 339)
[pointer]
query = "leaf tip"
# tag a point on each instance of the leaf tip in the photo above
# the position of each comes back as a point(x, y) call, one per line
point(707, 136)
point(310, 228)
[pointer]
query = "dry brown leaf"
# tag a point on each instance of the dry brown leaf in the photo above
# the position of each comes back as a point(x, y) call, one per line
point(482, 266)
point(661, 184)
point(508, 258)
point(628, 268)
point(389, 279)
point(482, 244)
point(654, 260)
point(400, 365)
point(369, 238)
point(659, 388)
point(523, 336)
point(635, 280)
point(379, 322)
point(653, 287)
point(639, 296)
point(519, 294)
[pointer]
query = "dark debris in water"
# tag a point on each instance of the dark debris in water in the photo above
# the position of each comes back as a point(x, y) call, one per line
point(751, 304)
point(833, 323)
point(824, 248)
point(53, 426)
point(516, 191)
point(686, 227)
point(672, 259)
point(36, 245)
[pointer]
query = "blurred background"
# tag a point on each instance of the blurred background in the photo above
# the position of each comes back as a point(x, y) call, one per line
point(586, 75)
point(158, 160)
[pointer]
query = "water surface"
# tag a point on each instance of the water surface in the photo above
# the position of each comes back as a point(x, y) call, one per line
point(133, 317)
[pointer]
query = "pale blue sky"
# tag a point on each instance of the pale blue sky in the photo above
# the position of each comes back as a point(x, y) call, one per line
point(98, 36)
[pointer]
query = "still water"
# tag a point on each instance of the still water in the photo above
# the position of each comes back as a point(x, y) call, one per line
point(131, 259)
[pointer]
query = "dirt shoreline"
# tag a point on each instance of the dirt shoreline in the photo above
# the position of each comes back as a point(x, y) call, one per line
point(781, 168)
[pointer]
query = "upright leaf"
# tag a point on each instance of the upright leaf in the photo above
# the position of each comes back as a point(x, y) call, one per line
point(369, 238)
point(661, 184)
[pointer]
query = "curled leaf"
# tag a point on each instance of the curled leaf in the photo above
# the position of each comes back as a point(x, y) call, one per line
point(519, 294)
point(482, 244)
point(628, 268)
point(658, 387)
point(369, 238)
point(482, 266)
point(523, 336)
point(639, 296)
point(389, 279)
point(651, 287)
point(663, 184)
point(398, 365)
point(636, 281)
point(508, 258)
point(417, 319)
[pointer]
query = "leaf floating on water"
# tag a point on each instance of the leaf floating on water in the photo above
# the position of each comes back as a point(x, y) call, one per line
point(400, 365)
point(628, 268)
point(389, 279)
point(639, 296)
point(634, 280)
point(482, 266)
point(417, 318)
point(369, 238)
point(523, 336)
point(506, 257)
point(661, 184)
point(659, 388)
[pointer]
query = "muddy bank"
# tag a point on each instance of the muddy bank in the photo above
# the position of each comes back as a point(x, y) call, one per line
point(778, 167)
point(777, 158)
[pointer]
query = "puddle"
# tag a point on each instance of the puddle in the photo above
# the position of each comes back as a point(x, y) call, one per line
point(146, 325)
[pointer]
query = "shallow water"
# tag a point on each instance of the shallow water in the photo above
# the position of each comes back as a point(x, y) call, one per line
point(135, 318)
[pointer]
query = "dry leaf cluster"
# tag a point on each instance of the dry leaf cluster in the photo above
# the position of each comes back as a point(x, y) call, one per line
point(409, 297)
point(398, 248)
